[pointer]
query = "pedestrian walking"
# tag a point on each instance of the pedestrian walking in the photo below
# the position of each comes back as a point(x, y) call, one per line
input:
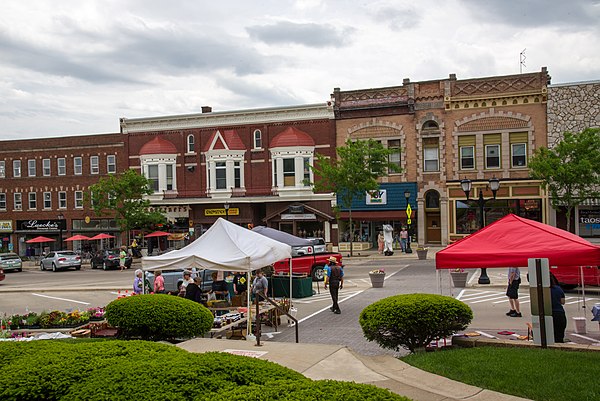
point(122, 257)
point(138, 282)
point(159, 282)
point(380, 242)
point(512, 292)
point(334, 278)
point(403, 238)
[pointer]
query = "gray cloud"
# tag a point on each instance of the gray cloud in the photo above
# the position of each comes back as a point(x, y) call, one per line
point(576, 14)
point(255, 94)
point(307, 34)
point(397, 19)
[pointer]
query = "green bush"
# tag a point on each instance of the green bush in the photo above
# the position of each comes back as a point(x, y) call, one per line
point(414, 320)
point(124, 370)
point(158, 317)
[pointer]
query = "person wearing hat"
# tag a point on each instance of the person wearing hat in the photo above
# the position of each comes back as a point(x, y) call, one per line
point(334, 277)
point(187, 279)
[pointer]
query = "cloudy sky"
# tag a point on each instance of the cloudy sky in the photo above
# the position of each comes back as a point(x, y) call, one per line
point(75, 67)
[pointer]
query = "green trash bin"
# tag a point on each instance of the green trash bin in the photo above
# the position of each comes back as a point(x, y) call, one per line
point(279, 286)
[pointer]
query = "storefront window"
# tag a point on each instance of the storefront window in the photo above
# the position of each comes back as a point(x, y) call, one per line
point(589, 222)
point(468, 217)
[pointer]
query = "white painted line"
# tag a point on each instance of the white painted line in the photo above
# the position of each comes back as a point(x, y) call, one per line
point(60, 299)
point(473, 277)
point(584, 337)
point(327, 307)
point(321, 297)
point(506, 300)
point(364, 280)
point(579, 300)
point(485, 300)
point(485, 334)
point(472, 298)
point(460, 295)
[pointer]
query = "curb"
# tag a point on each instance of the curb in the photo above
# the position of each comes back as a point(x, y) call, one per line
point(472, 342)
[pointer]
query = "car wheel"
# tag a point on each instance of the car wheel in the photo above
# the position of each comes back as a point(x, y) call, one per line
point(318, 273)
point(42, 268)
point(93, 266)
point(20, 270)
point(53, 267)
point(78, 268)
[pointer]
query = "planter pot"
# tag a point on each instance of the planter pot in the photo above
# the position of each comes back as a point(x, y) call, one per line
point(377, 280)
point(459, 279)
point(422, 254)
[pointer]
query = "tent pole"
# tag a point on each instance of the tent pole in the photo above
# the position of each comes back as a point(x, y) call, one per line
point(437, 281)
point(582, 285)
point(290, 282)
point(248, 317)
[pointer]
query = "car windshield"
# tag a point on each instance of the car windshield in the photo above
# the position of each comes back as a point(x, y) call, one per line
point(66, 253)
point(9, 257)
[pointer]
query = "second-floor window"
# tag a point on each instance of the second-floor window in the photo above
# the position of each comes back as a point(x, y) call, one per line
point(61, 164)
point(190, 144)
point(62, 200)
point(31, 168)
point(46, 171)
point(257, 139)
point(94, 165)
point(78, 199)
point(221, 175)
point(467, 157)
point(492, 156)
point(2, 201)
point(111, 164)
point(2, 169)
point(16, 168)
point(170, 185)
point(153, 176)
point(32, 200)
point(47, 200)
point(78, 165)
point(18, 198)
point(395, 157)
point(431, 160)
point(518, 153)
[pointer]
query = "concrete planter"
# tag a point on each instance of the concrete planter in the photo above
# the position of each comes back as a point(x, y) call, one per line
point(377, 279)
point(422, 254)
point(459, 279)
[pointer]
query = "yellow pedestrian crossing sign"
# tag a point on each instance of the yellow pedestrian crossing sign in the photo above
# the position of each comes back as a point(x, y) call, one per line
point(408, 211)
point(408, 222)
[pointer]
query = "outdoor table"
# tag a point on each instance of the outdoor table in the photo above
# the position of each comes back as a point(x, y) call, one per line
point(219, 330)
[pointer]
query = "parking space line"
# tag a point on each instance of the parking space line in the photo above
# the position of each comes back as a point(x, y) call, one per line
point(472, 298)
point(584, 337)
point(488, 299)
point(460, 294)
point(60, 299)
point(522, 299)
point(483, 333)
point(579, 300)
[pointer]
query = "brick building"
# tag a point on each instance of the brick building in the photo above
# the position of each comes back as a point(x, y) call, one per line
point(446, 131)
point(249, 166)
point(42, 187)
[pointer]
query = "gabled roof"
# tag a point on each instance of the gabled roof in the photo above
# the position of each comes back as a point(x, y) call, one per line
point(510, 241)
point(291, 137)
point(229, 140)
point(158, 146)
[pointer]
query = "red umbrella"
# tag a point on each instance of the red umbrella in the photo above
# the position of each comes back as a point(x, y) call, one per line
point(39, 240)
point(78, 237)
point(102, 236)
point(157, 234)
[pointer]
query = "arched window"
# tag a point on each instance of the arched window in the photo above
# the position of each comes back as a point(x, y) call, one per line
point(190, 144)
point(431, 125)
point(432, 200)
point(257, 139)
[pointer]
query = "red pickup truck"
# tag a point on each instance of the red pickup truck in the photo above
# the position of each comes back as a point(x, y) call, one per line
point(308, 264)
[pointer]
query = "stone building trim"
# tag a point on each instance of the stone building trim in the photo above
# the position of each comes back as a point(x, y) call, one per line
point(431, 185)
point(425, 133)
point(393, 129)
point(515, 122)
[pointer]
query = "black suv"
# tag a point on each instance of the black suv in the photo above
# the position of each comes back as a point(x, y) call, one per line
point(109, 259)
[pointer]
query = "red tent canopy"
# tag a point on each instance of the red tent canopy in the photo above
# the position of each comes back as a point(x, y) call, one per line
point(512, 240)
point(157, 234)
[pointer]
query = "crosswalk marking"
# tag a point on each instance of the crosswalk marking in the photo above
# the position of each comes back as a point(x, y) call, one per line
point(488, 299)
point(579, 300)
point(472, 298)
point(522, 299)
point(325, 296)
point(496, 297)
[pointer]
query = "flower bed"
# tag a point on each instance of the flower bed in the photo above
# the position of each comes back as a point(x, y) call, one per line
point(45, 320)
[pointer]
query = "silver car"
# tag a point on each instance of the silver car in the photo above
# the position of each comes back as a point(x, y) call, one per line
point(59, 260)
point(10, 261)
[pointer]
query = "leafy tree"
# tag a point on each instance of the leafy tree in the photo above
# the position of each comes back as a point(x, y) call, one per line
point(123, 195)
point(356, 170)
point(569, 170)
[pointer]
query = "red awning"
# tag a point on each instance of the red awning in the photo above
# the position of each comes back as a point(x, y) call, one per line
point(510, 241)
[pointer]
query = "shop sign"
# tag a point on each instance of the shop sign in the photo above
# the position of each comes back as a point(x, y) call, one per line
point(378, 197)
point(233, 211)
point(42, 225)
point(587, 216)
point(303, 216)
point(296, 209)
point(6, 226)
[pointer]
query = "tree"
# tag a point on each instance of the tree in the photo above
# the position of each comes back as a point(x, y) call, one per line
point(123, 195)
point(569, 170)
point(360, 164)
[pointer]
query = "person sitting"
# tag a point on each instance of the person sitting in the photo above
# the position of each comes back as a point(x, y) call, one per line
point(193, 290)
point(219, 287)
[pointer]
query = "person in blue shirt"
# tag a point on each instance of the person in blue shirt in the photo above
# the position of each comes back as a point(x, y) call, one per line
point(334, 278)
point(559, 318)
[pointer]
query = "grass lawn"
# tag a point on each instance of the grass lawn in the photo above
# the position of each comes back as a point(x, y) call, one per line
point(532, 373)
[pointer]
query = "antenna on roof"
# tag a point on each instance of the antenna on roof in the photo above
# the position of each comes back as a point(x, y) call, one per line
point(522, 59)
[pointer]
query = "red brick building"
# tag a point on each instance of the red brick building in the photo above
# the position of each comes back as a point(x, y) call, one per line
point(249, 166)
point(42, 187)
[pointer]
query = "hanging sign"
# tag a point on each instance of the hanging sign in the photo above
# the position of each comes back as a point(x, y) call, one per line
point(378, 197)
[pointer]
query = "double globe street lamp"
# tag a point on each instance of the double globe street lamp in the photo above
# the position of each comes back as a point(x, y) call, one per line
point(494, 185)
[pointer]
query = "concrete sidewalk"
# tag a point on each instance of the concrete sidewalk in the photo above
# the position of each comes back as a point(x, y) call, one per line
point(319, 361)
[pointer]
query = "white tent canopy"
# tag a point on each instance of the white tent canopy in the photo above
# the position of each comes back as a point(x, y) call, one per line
point(224, 246)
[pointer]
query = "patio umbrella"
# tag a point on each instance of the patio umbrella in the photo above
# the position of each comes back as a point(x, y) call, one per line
point(157, 234)
point(78, 237)
point(39, 240)
point(102, 236)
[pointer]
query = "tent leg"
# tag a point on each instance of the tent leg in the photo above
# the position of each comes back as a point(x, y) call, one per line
point(582, 285)
point(290, 282)
point(437, 282)
point(249, 306)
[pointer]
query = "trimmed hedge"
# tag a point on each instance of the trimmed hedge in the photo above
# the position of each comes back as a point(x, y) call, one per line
point(414, 320)
point(158, 317)
point(124, 370)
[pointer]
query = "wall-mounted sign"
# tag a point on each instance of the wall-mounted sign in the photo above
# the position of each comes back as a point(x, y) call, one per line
point(233, 211)
point(303, 216)
point(41, 225)
point(6, 226)
point(378, 197)
point(296, 209)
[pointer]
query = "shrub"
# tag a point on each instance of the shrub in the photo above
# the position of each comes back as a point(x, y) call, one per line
point(414, 320)
point(91, 370)
point(158, 317)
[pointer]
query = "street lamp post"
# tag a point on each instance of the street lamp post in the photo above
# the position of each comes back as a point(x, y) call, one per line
point(408, 213)
point(60, 234)
point(494, 185)
point(226, 211)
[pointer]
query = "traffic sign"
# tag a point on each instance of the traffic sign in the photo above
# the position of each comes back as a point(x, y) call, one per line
point(408, 211)
point(408, 222)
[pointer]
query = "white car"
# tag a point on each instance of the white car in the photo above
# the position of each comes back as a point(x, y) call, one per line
point(60, 260)
point(319, 245)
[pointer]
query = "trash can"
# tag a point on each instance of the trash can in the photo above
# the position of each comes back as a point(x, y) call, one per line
point(580, 325)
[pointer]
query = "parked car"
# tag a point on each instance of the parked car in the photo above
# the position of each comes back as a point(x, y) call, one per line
point(319, 245)
point(11, 261)
point(313, 264)
point(174, 278)
point(109, 259)
point(2, 275)
point(59, 260)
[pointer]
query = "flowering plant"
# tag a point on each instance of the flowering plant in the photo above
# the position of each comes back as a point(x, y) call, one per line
point(377, 271)
point(457, 270)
